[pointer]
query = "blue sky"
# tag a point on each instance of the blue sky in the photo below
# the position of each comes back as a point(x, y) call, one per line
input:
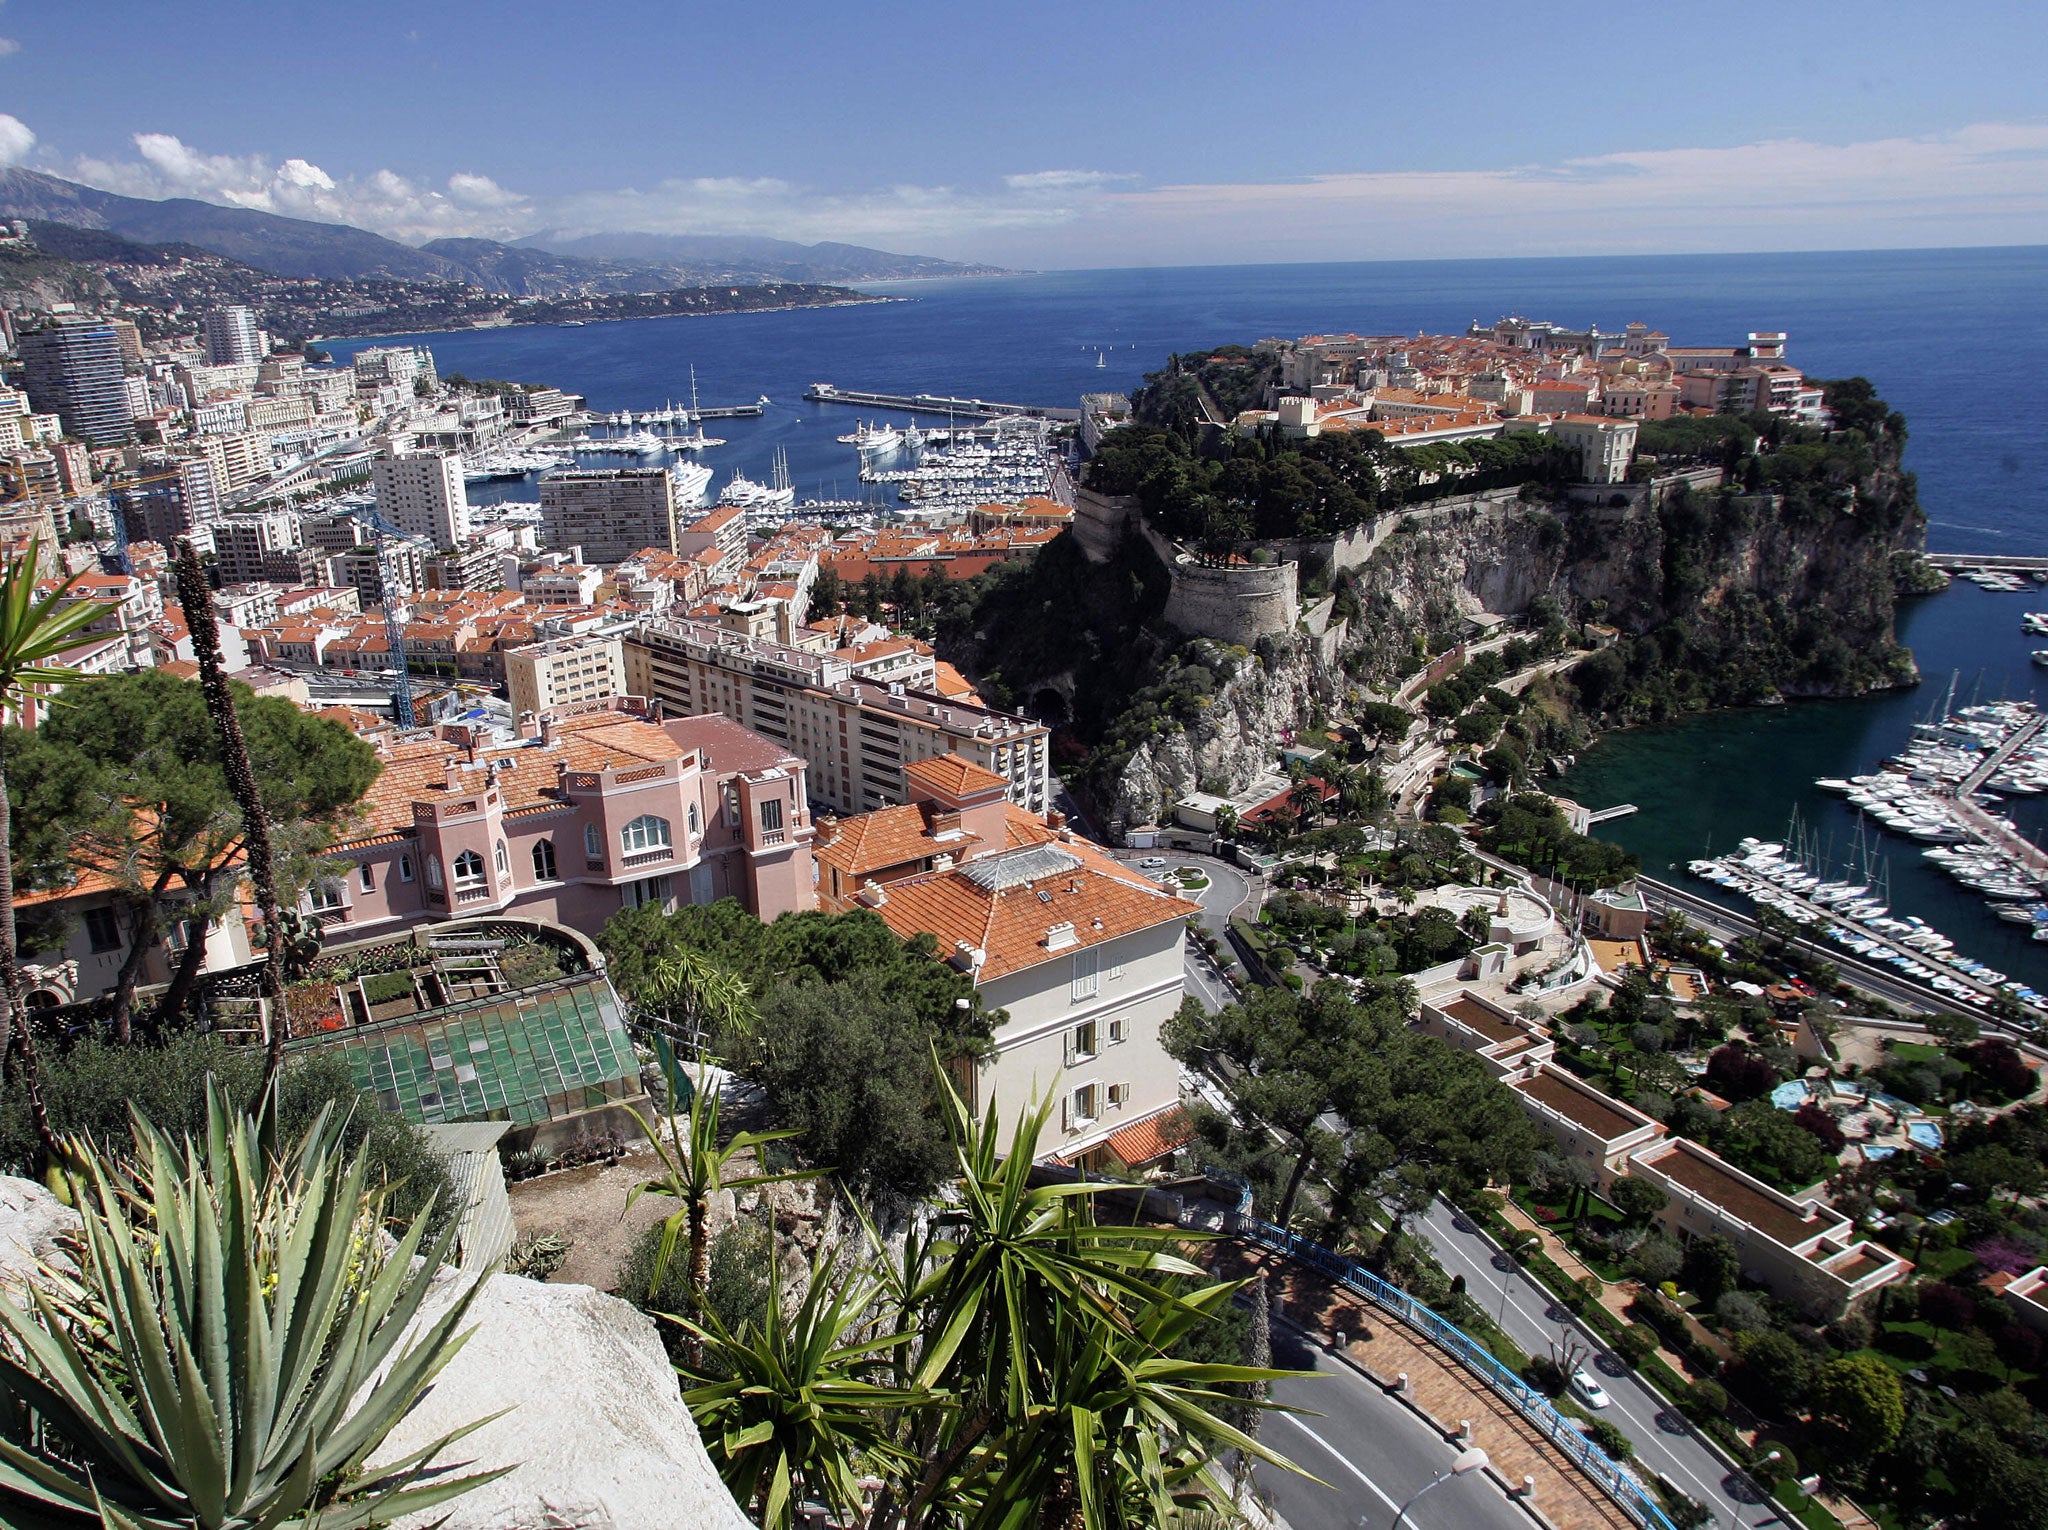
point(1056, 134)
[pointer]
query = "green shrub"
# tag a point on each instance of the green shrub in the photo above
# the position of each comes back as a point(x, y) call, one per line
point(1610, 1439)
point(387, 987)
point(1636, 1344)
point(90, 1088)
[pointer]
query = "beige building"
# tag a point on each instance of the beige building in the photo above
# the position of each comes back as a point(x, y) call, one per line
point(423, 495)
point(611, 513)
point(1804, 1251)
point(857, 735)
point(562, 671)
point(1605, 445)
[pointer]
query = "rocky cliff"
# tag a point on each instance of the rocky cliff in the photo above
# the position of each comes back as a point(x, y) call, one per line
point(1261, 700)
point(1719, 599)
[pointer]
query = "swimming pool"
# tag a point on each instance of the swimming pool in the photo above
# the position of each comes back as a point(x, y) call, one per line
point(1924, 1134)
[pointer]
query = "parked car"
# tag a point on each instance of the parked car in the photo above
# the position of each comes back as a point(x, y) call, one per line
point(1152, 862)
point(1589, 1391)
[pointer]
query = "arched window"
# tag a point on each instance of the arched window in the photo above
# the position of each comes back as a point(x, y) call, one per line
point(405, 868)
point(694, 830)
point(644, 833)
point(433, 871)
point(469, 870)
point(325, 896)
point(504, 861)
point(593, 843)
point(544, 860)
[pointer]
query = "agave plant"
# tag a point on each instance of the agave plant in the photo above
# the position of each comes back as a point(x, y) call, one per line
point(227, 1353)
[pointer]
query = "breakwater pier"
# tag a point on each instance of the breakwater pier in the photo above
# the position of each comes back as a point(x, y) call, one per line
point(935, 403)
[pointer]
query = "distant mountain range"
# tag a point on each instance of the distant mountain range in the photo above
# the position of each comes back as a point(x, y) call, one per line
point(542, 265)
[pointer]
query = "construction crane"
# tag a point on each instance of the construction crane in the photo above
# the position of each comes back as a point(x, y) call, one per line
point(394, 632)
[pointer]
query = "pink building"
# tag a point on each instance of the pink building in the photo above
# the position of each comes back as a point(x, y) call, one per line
point(599, 808)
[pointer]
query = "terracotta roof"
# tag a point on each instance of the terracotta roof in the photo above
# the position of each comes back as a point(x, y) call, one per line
point(416, 769)
point(890, 837)
point(950, 776)
point(725, 745)
point(1009, 905)
point(1154, 1137)
point(1583, 1107)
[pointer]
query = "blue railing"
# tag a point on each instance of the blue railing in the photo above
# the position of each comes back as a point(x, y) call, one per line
point(1634, 1499)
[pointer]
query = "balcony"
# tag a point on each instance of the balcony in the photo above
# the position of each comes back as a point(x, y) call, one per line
point(471, 894)
point(655, 857)
point(773, 837)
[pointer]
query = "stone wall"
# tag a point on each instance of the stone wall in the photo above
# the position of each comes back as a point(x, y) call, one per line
point(1238, 603)
point(1100, 521)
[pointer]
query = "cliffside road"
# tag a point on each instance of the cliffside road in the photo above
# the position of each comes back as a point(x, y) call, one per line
point(1371, 1450)
point(1663, 1440)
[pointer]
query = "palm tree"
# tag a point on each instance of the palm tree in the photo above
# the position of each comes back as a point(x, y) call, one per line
point(802, 1405)
point(34, 631)
point(698, 996)
point(1014, 1365)
point(693, 1171)
point(197, 599)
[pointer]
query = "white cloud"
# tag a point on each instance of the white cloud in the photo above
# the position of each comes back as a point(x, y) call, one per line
point(15, 140)
point(9, 47)
point(1064, 180)
point(481, 191)
point(1983, 183)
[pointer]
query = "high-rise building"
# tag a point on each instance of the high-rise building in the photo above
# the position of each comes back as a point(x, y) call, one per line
point(857, 735)
point(611, 513)
point(232, 338)
point(72, 369)
point(423, 495)
point(164, 498)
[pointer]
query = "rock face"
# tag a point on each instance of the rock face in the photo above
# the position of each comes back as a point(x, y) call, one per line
point(597, 1423)
point(1270, 697)
point(31, 1220)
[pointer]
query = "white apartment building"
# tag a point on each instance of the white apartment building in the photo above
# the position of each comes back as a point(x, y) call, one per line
point(856, 735)
point(564, 671)
point(1084, 957)
point(233, 339)
point(611, 513)
point(423, 495)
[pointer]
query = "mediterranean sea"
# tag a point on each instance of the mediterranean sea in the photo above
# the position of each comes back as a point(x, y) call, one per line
point(1951, 338)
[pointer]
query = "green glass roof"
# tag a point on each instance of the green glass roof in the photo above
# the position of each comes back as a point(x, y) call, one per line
point(528, 1057)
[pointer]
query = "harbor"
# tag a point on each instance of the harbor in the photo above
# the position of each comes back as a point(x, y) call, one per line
point(1703, 783)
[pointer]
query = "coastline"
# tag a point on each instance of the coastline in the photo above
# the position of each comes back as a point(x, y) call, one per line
point(620, 318)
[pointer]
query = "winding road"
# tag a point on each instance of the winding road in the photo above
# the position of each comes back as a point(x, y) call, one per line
point(1371, 1450)
point(1665, 1443)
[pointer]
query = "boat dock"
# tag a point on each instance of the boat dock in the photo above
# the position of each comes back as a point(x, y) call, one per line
point(728, 412)
point(1982, 826)
point(933, 403)
point(1964, 563)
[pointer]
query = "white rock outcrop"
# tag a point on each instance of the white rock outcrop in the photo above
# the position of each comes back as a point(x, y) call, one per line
point(597, 1423)
point(597, 1429)
point(31, 1220)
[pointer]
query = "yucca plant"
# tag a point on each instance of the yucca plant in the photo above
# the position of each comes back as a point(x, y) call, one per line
point(693, 1171)
point(800, 1407)
point(226, 1355)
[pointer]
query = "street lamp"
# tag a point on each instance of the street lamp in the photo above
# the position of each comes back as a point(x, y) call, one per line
point(1468, 1460)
